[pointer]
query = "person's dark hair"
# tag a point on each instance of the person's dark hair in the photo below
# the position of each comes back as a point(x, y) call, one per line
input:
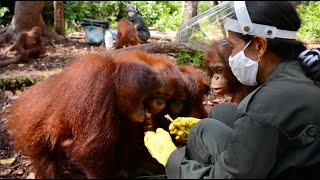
point(138, 11)
point(282, 15)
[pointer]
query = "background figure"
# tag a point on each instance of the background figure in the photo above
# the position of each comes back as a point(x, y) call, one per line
point(139, 23)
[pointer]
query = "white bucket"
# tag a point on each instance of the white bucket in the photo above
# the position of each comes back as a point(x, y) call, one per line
point(108, 39)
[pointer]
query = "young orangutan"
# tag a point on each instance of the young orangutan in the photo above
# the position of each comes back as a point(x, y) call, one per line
point(127, 34)
point(172, 81)
point(223, 82)
point(170, 75)
point(188, 100)
point(82, 116)
point(28, 45)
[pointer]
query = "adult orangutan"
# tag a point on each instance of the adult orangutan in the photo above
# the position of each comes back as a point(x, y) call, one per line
point(127, 34)
point(28, 45)
point(82, 116)
point(223, 82)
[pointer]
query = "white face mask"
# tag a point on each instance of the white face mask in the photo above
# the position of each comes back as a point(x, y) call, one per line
point(131, 14)
point(244, 68)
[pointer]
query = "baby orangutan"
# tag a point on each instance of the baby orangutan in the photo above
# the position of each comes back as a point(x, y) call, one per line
point(223, 82)
point(28, 45)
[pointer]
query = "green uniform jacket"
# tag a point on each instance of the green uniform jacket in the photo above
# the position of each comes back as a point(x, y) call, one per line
point(276, 132)
point(141, 26)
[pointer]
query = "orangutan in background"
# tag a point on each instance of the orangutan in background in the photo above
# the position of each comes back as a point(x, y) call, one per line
point(28, 45)
point(127, 34)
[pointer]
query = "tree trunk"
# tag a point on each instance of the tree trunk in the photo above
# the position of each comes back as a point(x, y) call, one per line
point(58, 17)
point(221, 24)
point(26, 15)
point(211, 4)
point(167, 47)
point(295, 3)
point(190, 11)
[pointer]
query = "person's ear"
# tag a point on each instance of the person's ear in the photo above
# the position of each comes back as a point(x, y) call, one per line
point(260, 45)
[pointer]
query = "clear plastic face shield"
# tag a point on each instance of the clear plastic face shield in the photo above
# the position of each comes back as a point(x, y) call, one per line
point(213, 25)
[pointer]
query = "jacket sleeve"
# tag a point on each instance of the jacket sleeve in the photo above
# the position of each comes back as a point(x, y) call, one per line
point(251, 153)
point(138, 23)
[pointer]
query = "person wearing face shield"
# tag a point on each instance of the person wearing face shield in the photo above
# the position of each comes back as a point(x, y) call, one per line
point(139, 23)
point(276, 129)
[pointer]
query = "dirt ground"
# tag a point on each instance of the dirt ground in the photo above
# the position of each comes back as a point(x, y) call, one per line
point(12, 164)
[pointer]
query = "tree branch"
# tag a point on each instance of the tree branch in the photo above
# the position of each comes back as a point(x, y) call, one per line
point(167, 47)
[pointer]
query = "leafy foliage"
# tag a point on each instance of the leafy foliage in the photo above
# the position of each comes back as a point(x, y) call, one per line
point(203, 6)
point(48, 14)
point(310, 28)
point(3, 20)
point(195, 58)
point(20, 83)
point(163, 15)
point(3, 10)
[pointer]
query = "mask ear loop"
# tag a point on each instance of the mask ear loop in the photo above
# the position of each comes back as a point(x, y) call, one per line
point(246, 45)
point(258, 60)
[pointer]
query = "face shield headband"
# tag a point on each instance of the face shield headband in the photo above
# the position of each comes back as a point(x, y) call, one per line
point(245, 26)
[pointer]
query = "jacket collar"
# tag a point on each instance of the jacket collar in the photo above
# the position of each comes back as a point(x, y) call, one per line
point(288, 68)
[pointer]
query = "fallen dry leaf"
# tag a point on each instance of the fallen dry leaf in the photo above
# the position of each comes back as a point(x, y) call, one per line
point(5, 172)
point(18, 171)
point(27, 163)
point(18, 93)
point(8, 94)
point(31, 176)
point(7, 161)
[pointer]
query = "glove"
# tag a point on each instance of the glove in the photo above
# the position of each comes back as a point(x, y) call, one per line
point(159, 145)
point(308, 57)
point(311, 60)
point(181, 127)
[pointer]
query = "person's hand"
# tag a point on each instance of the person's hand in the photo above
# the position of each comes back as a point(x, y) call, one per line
point(159, 145)
point(308, 57)
point(181, 127)
point(311, 60)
